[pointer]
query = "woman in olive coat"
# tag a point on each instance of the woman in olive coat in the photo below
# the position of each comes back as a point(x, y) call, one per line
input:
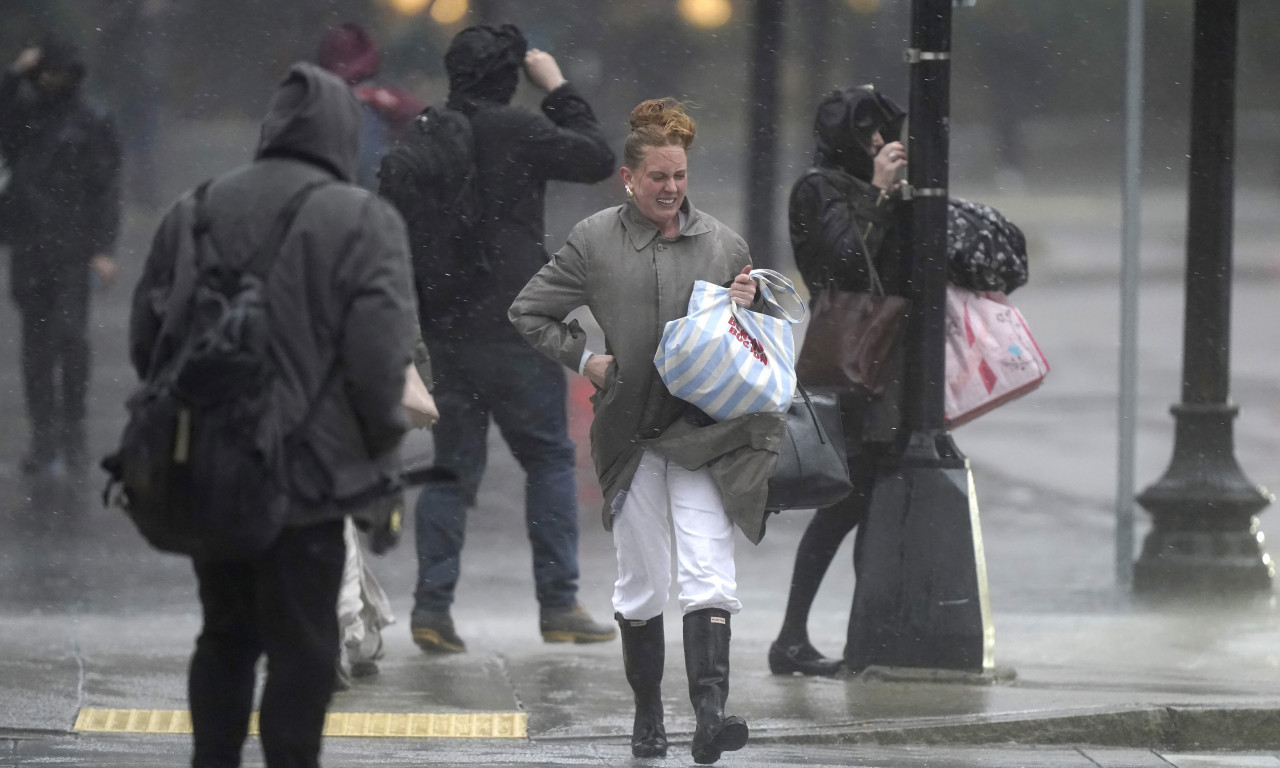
point(663, 465)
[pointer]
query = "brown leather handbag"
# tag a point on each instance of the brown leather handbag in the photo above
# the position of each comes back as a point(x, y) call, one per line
point(851, 337)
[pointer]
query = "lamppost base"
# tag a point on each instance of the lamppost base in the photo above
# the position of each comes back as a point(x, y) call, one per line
point(1205, 541)
point(921, 596)
point(1203, 563)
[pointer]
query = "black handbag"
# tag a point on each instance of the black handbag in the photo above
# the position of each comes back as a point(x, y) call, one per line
point(812, 470)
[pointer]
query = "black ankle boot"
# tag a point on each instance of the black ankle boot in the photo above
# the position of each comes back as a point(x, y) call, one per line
point(644, 652)
point(706, 660)
point(801, 657)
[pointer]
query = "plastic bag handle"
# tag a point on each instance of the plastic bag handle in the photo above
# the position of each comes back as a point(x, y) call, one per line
point(777, 290)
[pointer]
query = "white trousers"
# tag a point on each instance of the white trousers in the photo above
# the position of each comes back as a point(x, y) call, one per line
point(665, 498)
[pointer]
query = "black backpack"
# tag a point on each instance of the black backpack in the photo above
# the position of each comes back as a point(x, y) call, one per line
point(200, 463)
point(430, 176)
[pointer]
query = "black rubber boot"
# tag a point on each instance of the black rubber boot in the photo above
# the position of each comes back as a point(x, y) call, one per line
point(644, 652)
point(706, 660)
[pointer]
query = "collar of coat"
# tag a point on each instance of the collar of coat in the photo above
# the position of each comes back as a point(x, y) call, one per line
point(642, 231)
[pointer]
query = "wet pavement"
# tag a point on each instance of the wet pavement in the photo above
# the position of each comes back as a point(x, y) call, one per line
point(91, 618)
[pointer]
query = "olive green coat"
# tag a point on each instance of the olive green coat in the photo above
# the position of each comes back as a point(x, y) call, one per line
point(635, 281)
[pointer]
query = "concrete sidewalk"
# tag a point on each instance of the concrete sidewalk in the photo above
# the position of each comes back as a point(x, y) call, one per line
point(91, 619)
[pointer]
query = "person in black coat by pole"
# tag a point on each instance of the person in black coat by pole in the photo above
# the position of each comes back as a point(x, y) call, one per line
point(60, 213)
point(844, 210)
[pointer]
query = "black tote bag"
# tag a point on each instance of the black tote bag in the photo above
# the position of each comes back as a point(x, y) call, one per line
point(812, 470)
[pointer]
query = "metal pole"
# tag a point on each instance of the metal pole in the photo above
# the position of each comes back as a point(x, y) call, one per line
point(1130, 273)
point(1204, 538)
point(929, 144)
point(763, 149)
point(921, 598)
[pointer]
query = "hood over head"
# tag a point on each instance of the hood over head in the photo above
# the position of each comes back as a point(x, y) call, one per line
point(313, 117)
point(57, 54)
point(846, 121)
point(60, 55)
point(349, 52)
point(484, 63)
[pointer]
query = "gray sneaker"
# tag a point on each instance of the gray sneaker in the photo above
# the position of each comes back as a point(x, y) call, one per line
point(433, 632)
point(573, 625)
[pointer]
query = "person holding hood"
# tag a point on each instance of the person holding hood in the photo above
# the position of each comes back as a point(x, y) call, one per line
point(342, 326)
point(483, 368)
point(844, 211)
point(667, 470)
point(60, 214)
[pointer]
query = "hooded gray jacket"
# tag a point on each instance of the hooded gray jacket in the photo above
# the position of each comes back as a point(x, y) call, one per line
point(339, 292)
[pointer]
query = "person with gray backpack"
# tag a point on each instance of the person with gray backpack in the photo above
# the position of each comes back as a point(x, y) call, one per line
point(271, 328)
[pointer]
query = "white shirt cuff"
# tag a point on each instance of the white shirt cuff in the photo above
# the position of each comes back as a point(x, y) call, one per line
point(582, 364)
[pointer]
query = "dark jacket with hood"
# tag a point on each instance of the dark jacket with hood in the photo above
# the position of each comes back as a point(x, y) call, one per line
point(517, 153)
point(839, 219)
point(339, 292)
point(835, 210)
point(62, 203)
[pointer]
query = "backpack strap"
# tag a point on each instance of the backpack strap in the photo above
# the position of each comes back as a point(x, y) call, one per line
point(264, 259)
point(182, 287)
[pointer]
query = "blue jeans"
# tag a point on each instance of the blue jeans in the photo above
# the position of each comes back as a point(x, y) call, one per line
point(525, 394)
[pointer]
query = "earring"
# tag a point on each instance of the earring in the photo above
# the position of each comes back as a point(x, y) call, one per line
point(627, 187)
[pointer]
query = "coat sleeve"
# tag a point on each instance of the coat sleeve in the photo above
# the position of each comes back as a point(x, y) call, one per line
point(151, 294)
point(556, 290)
point(377, 330)
point(13, 118)
point(741, 259)
point(567, 144)
point(829, 229)
point(102, 188)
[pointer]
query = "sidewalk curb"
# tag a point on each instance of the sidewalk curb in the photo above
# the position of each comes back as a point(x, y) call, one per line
point(1170, 728)
point(1157, 728)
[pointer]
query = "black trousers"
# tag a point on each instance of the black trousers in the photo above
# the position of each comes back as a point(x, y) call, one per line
point(55, 359)
point(283, 604)
point(830, 525)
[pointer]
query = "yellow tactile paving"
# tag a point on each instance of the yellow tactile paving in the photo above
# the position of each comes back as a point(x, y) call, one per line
point(471, 725)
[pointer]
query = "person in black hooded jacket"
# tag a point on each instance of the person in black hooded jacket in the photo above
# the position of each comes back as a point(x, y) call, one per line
point(845, 213)
point(340, 298)
point(60, 213)
point(483, 367)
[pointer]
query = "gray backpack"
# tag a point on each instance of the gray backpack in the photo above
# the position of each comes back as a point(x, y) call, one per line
point(200, 462)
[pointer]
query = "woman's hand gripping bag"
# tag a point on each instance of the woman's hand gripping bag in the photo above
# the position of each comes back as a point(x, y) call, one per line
point(728, 360)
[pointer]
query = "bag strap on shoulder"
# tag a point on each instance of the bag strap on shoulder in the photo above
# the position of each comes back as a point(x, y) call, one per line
point(183, 285)
point(264, 258)
point(877, 287)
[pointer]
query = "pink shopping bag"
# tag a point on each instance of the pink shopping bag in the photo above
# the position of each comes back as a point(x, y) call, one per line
point(992, 357)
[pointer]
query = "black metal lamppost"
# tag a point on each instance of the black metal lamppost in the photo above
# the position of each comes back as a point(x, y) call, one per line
point(762, 175)
point(1205, 538)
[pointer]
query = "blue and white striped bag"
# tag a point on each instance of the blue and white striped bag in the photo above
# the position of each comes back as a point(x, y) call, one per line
point(728, 360)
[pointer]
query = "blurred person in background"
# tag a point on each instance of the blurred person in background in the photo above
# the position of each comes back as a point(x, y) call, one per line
point(349, 51)
point(844, 211)
point(127, 75)
point(635, 266)
point(483, 368)
point(60, 214)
